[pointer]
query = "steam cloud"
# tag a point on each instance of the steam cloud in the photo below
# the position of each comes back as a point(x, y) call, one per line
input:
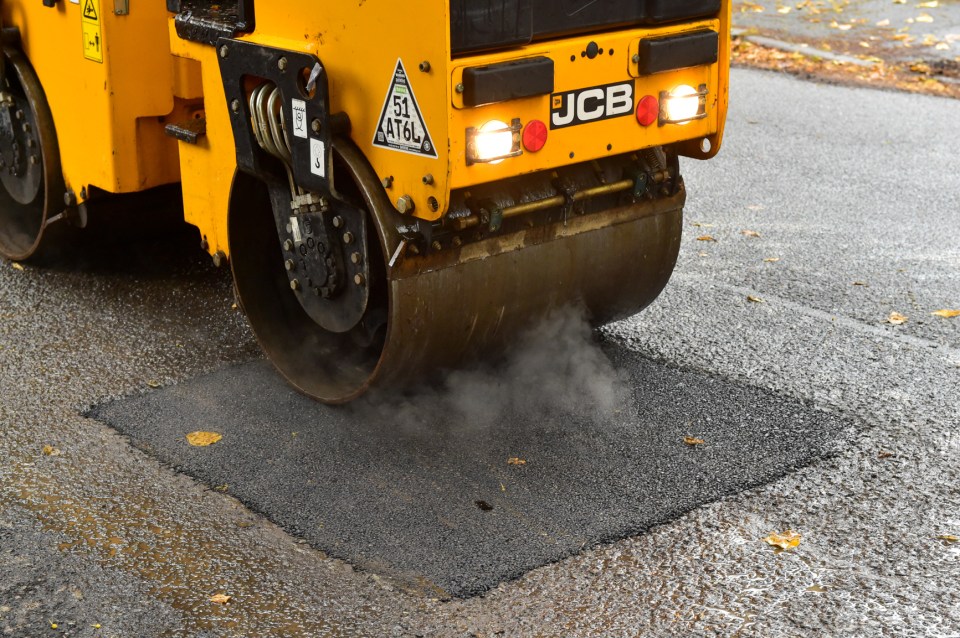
point(555, 368)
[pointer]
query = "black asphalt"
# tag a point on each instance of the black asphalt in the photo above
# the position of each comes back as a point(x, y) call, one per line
point(420, 488)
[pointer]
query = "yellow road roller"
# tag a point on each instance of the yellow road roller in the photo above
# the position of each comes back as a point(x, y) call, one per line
point(397, 187)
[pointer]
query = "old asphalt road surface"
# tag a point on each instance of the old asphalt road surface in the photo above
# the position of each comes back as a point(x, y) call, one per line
point(853, 192)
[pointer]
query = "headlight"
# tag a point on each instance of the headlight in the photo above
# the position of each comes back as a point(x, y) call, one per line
point(683, 104)
point(493, 142)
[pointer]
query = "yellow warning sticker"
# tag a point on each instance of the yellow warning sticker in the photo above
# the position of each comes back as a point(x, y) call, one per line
point(92, 35)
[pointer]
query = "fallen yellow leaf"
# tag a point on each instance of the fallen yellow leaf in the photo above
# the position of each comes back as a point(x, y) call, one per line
point(513, 460)
point(932, 4)
point(203, 439)
point(950, 538)
point(946, 313)
point(706, 238)
point(49, 450)
point(692, 440)
point(220, 599)
point(16, 266)
point(750, 233)
point(771, 260)
point(153, 384)
point(703, 225)
point(784, 10)
point(896, 318)
point(96, 625)
point(859, 283)
point(753, 299)
point(924, 17)
point(703, 254)
point(883, 23)
point(53, 625)
point(883, 454)
point(784, 540)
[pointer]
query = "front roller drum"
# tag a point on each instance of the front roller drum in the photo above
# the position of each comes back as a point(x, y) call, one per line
point(452, 306)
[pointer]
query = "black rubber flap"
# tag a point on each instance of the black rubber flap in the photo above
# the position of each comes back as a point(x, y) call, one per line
point(507, 81)
point(678, 52)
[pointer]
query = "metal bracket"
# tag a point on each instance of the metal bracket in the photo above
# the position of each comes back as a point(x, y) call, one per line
point(121, 7)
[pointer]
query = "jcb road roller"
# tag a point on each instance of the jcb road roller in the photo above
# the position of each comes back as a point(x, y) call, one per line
point(397, 187)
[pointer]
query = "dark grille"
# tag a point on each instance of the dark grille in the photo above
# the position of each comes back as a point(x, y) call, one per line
point(478, 25)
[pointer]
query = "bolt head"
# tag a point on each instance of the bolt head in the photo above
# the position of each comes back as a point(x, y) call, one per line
point(355, 258)
point(224, 51)
point(460, 88)
point(436, 245)
point(359, 279)
point(219, 258)
point(428, 179)
point(425, 66)
point(636, 58)
point(282, 64)
point(315, 125)
point(294, 284)
point(405, 204)
point(348, 238)
point(290, 265)
point(337, 221)
point(235, 106)
point(288, 245)
point(387, 182)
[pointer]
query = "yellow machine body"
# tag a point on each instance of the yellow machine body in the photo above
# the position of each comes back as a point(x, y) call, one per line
point(116, 74)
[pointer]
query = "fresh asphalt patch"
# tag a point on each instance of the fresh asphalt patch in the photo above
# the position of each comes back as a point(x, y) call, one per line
point(446, 495)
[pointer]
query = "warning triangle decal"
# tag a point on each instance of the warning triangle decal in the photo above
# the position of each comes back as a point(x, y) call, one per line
point(401, 126)
point(89, 11)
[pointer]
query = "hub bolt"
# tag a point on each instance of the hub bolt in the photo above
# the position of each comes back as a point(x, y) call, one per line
point(355, 258)
point(294, 284)
point(337, 221)
point(34, 160)
point(387, 182)
point(348, 238)
point(26, 127)
point(19, 114)
point(405, 204)
point(219, 258)
point(359, 279)
point(290, 265)
point(436, 245)
point(288, 245)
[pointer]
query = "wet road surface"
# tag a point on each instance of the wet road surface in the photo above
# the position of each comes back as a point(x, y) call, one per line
point(105, 534)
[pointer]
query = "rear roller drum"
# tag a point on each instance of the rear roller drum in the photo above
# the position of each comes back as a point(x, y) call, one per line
point(31, 182)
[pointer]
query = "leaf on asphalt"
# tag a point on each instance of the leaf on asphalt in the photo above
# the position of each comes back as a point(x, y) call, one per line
point(883, 23)
point(220, 599)
point(924, 17)
point(203, 439)
point(946, 313)
point(17, 266)
point(692, 440)
point(784, 540)
point(703, 225)
point(706, 238)
point(896, 318)
point(784, 9)
point(932, 4)
point(703, 254)
point(49, 450)
point(771, 260)
point(753, 299)
point(883, 454)
point(153, 384)
point(515, 460)
point(859, 283)
point(749, 233)
point(899, 1)
point(950, 538)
